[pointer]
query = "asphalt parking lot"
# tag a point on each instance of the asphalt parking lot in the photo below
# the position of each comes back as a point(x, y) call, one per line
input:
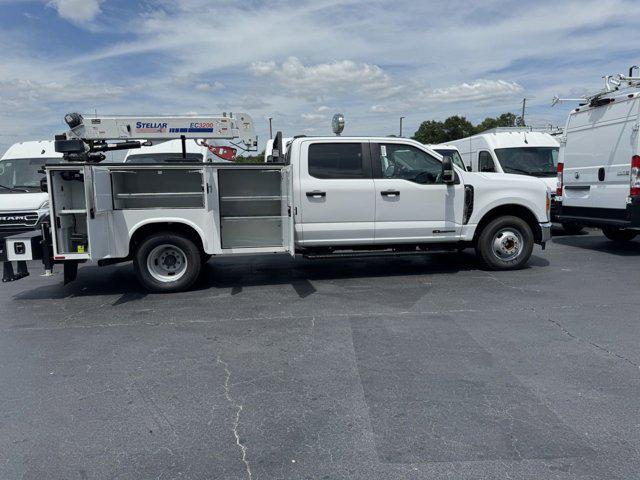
point(272, 368)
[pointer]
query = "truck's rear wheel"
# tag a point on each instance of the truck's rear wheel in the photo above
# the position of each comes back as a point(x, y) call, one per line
point(572, 228)
point(167, 262)
point(505, 243)
point(619, 234)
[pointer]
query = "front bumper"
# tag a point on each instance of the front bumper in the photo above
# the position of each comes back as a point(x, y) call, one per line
point(544, 234)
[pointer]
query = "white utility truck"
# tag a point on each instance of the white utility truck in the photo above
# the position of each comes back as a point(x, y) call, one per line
point(171, 152)
point(599, 169)
point(328, 197)
point(23, 205)
point(517, 150)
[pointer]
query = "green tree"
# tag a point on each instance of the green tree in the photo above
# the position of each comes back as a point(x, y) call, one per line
point(456, 127)
point(504, 120)
point(430, 132)
point(258, 158)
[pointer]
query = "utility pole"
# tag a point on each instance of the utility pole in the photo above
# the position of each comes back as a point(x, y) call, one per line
point(524, 106)
point(270, 129)
point(401, 118)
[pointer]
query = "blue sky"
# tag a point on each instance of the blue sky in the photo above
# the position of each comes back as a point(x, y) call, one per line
point(301, 61)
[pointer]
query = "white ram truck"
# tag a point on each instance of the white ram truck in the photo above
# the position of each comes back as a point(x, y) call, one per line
point(327, 197)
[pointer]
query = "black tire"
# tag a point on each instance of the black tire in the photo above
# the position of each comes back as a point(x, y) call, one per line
point(572, 228)
point(619, 234)
point(489, 236)
point(157, 245)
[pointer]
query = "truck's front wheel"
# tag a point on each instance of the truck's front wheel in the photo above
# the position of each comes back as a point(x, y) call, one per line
point(505, 243)
point(167, 262)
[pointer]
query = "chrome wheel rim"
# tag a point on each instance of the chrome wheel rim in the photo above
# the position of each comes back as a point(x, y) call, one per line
point(167, 263)
point(507, 244)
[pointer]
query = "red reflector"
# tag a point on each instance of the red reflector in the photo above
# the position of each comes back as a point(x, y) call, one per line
point(225, 153)
point(634, 191)
point(58, 258)
point(560, 182)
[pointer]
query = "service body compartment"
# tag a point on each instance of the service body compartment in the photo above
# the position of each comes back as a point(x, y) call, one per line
point(234, 209)
point(250, 208)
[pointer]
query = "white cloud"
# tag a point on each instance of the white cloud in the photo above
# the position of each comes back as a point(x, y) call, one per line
point(77, 11)
point(208, 87)
point(313, 117)
point(327, 79)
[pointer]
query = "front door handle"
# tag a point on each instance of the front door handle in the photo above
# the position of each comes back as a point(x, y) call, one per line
point(390, 193)
point(316, 194)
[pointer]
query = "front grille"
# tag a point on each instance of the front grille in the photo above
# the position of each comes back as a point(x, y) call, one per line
point(18, 219)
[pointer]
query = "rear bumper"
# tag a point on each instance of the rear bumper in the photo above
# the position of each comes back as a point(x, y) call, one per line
point(601, 217)
point(8, 232)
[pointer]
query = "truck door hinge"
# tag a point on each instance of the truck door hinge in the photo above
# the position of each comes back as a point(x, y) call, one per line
point(289, 210)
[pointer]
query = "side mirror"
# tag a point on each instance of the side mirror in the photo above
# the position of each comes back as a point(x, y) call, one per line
point(43, 185)
point(448, 174)
point(469, 168)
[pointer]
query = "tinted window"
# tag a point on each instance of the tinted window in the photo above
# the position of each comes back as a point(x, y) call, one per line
point(485, 162)
point(454, 155)
point(409, 163)
point(22, 173)
point(336, 160)
point(163, 158)
point(536, 161)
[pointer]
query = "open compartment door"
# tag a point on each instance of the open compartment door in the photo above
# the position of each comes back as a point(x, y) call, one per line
point(287, 210)
point(102, 190)
point(101, 208)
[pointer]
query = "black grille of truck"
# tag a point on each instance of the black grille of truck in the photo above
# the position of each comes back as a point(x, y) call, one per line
point(18, 219)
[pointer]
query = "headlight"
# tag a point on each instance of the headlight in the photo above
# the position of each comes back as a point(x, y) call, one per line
point(44, 205)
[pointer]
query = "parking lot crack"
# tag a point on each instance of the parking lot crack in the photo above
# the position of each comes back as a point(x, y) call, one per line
point(236, 422)
point(593, 344)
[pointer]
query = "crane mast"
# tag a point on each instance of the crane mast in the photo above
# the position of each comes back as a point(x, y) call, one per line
point(88, 138)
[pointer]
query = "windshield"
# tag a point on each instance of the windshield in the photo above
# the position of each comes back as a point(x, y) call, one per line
point(163, 158)
point(22, 173)
point(535, 161)
point(454, 155)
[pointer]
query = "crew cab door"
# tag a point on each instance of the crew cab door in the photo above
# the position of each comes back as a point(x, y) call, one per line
point(335, 192)
point(412, 202)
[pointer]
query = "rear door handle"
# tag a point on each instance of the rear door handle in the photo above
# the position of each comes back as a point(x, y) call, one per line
point(390, 193)
point(316, 194)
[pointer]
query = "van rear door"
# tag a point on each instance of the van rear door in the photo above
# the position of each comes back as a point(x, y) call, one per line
point(597, 155)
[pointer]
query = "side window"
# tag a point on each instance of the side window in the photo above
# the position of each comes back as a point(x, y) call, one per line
point(409, 163)
point(485, 162)
point(336, 160)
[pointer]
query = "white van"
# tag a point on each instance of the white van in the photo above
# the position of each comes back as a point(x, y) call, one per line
point(23, 205)
point(171, 152)
point(452, 152)
point(518, 150)
point(599, 170)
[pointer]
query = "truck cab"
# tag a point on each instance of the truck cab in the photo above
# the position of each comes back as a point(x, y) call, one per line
point(23, 205)
point(516, 150)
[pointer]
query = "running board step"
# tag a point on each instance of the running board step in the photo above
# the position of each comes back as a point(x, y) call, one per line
point(371, 253)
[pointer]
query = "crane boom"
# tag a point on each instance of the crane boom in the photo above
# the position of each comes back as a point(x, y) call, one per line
point(87, 138)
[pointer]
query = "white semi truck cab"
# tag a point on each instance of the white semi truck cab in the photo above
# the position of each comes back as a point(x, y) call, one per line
point(326, 197)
